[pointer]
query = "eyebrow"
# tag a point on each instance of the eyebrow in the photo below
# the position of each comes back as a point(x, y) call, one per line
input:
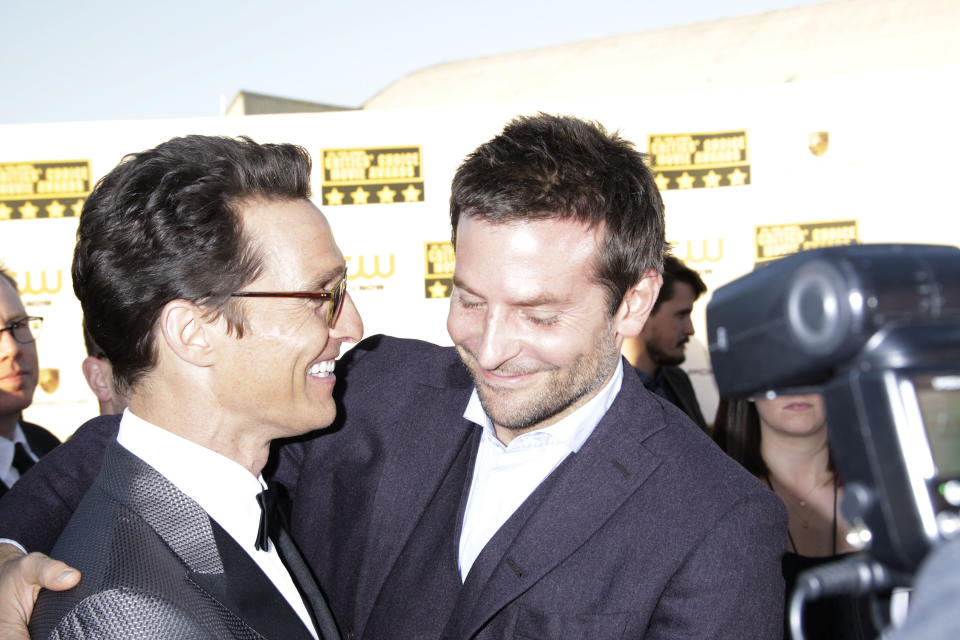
point(543, 299)
point(322, 281)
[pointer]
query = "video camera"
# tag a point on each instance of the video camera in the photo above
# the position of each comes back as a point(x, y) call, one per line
point(876, 330)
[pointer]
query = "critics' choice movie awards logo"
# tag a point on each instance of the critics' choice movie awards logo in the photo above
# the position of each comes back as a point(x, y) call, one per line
point(378, 175)
point(778, 240)
point(699, 160)
point(46, 189)
point(438, 276)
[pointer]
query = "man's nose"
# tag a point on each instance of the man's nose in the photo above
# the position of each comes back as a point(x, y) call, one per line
point(348, 325)
point(499, 341)
point(9, 347)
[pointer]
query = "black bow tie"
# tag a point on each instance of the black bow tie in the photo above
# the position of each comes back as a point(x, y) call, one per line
point(21, 459)
point(267, 500)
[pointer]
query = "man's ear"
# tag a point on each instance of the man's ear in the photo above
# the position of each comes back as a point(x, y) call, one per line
point(99, 375)
point(637, 304)
point(187, 333)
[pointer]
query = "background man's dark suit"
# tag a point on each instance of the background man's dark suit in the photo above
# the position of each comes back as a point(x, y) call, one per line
point(153, 557)
point(649, 531)
point(679, 383)
point(40, 440)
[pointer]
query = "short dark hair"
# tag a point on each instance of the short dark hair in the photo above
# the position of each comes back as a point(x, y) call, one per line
point(675, 271)
point(93, 349)
point(548, 167)
point(737, 431)
point(164, 225)
point(6, 275)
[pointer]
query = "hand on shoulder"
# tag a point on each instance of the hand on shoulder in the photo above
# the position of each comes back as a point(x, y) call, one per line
point(21, 578)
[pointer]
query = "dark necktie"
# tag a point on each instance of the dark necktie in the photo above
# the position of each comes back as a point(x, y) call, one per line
point(272, 528)
point(268, 515)
point(21, 459)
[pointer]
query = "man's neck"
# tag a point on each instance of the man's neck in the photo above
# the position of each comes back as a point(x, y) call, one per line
point(248, 450)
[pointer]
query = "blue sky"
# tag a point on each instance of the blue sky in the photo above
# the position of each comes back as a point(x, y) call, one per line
point(137, 59)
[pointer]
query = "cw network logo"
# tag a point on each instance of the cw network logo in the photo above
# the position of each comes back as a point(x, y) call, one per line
point(33, 284)
point(704, 250)
point(370, 267)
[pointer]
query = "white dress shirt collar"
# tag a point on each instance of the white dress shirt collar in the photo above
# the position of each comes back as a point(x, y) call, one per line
point(222, 487)
point(504, 476)
point(8, 474)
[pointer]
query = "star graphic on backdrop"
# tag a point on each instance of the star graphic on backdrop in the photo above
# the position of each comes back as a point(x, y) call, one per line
point(662, 182)
point(712, 179)
point(77, 207)
point(360, 196)
point(28, 211)
point(411, 194)
point(386, 194)
point(55, 209)
point(335, 197)
point(438, 290)
point(685, 181)
point(5, 212)
point(737, 178)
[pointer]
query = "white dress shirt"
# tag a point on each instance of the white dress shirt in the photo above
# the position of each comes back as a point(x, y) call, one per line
point(223, 488)
point(505, 475)
point(9, 473)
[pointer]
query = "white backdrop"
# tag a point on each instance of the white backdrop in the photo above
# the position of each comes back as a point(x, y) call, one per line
point(887, 175)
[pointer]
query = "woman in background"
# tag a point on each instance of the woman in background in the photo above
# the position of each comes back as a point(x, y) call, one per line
point(783, 441)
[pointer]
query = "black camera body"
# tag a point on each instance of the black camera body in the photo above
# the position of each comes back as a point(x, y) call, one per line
point(876, 329)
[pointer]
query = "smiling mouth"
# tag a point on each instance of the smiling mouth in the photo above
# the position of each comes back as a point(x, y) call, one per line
point(322, 369)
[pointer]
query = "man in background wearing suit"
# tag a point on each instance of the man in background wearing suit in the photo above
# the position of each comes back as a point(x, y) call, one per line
point(659, 349)
point(215, 288)
point(21, 443)
point(520, 484)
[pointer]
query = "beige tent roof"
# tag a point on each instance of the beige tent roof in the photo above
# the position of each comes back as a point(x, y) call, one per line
point(835, 38)
point(248, 103)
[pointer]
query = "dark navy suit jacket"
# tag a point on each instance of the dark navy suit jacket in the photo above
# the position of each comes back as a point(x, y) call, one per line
point(649, 531)
point(40, 440)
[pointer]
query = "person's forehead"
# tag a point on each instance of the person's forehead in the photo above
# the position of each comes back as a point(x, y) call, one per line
point(293, 232)
point(683, 294)
point(528, 262)
point(10, 303)
point(528, 239)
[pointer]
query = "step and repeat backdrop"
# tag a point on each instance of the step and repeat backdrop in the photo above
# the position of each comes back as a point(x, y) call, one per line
point(747, 177)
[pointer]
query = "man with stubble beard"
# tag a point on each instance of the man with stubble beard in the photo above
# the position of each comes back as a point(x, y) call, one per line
point(520, 484)
point(660, 348)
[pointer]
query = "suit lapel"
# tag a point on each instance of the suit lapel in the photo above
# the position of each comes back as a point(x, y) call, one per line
point(424, 446)
point(214, 561)
point(564, 511)
point(242, 587)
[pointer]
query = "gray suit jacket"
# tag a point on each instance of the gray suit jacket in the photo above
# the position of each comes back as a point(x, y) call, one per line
point(156, 566)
